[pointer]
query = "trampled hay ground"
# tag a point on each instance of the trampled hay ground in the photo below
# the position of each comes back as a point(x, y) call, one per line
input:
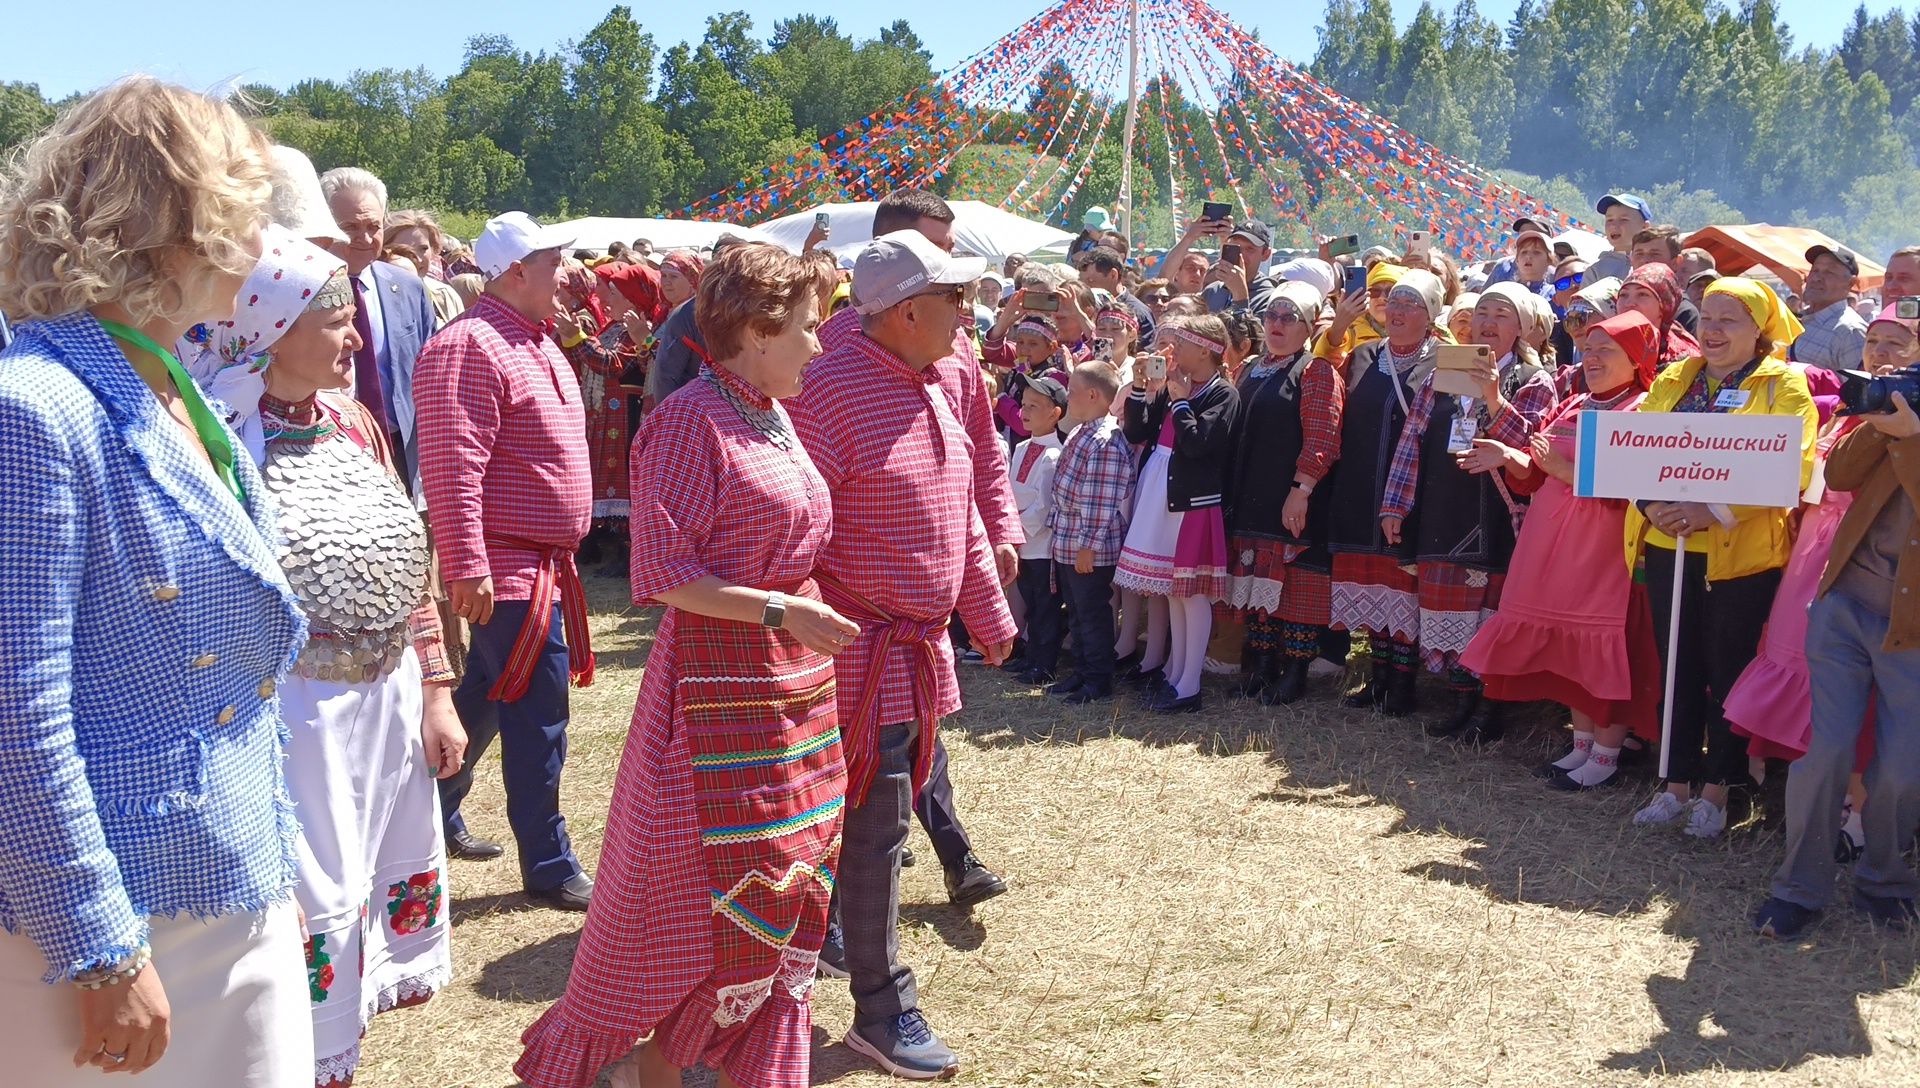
point(1304, 896)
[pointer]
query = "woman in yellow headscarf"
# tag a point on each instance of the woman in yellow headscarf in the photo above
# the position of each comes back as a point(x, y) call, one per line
point(1737, 551)
point(1359, 319)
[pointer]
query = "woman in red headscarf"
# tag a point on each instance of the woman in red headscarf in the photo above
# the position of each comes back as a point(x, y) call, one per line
point(611, 360)
point(1572, 626)
point(1654, 291)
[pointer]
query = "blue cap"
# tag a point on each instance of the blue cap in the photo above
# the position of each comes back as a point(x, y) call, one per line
point(1638, 204)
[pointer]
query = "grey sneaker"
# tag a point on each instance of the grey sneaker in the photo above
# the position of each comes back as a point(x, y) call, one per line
point(905, 1046)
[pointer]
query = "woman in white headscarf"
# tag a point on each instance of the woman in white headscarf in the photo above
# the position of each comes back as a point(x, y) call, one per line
point(368, 705)
point(1447, 515)
point(1285, 440)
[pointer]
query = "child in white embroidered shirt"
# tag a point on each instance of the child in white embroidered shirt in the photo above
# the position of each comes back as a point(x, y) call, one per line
point(1042, 403)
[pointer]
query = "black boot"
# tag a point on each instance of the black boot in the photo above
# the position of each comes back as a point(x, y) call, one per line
point(1397, 700)
point(1256, 668)
point(1489, 723)
point(1291, 684)
point(1466, 703)
point(1369, 696)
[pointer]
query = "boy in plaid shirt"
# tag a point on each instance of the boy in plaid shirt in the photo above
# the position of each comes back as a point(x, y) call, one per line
point(1092, 501)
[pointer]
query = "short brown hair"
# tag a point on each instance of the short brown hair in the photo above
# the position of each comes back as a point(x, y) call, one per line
point(903, 209)
point(1156, 284)
point(753, 286)
point(1661, 232)
point(132, 178)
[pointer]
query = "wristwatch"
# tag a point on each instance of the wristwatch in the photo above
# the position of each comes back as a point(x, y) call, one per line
point(1304, 489)
point(776, 612)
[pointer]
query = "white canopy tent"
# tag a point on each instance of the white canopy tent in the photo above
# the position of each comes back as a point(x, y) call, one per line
point(979, 229)
point(599, 232)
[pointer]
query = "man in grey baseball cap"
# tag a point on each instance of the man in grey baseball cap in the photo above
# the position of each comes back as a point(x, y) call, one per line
point(904, 265)
point(908, 551)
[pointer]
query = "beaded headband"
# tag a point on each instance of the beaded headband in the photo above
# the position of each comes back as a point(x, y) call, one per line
point(1196, 339)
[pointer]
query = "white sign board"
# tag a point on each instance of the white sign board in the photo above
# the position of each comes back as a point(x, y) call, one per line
point(1740, 460)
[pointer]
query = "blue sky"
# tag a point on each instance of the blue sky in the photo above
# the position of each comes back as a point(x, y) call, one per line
point(203, 43)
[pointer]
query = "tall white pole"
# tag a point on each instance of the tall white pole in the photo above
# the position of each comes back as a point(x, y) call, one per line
point(1673, 651)
point(1123, 206)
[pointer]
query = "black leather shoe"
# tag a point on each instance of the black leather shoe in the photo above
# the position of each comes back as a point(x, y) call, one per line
point(907, 860)
point(1369, 696)
point(1085, 694)
point(973, 883)
point(1396, 695)
point(1036, 677)
point(1066, 686)
point(462, 845)
point(1256, 672)
point(1143, 678)
point(1290, 686)
point(1466, 704)
point(574, 895)
point(1177, 705)
point(1489, 723)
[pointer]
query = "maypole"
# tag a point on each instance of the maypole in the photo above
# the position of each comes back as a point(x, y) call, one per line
point(1123, 207)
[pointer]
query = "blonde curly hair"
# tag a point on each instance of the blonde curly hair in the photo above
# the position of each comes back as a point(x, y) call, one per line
point(132, 197)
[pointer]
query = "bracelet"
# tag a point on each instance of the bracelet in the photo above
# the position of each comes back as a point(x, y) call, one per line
point(1304, 489)
point(111, 975)
point(776, 611)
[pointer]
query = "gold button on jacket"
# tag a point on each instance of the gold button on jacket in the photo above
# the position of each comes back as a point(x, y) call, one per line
point(226, 716)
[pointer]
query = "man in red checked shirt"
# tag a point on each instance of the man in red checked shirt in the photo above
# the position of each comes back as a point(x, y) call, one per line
point(908, 550)
point(505, 470)
point(969, 882)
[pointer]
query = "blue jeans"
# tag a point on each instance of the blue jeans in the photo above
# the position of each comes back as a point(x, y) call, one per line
point(533, 743)
point(1848, 668)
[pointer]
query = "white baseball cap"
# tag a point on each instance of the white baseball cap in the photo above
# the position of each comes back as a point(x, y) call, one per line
point(510, 237)
point(895, 267)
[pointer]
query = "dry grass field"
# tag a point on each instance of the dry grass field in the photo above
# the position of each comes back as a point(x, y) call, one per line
point(1306, 896)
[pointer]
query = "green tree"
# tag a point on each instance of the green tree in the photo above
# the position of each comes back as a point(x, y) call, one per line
point(23, 113)
point(621, 157)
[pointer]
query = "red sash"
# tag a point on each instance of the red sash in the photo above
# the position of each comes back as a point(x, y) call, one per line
point(861, 728)
point(556, 570)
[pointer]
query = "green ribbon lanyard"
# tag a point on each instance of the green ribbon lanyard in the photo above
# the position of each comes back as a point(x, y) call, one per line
point(205, 424)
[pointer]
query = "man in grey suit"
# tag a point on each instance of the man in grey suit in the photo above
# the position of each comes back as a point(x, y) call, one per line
point(395, 316)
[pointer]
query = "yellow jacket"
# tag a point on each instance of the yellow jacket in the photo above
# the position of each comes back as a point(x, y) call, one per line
point(1759, 539)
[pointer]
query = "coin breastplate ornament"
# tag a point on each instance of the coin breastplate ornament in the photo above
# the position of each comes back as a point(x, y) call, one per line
point(355, 553)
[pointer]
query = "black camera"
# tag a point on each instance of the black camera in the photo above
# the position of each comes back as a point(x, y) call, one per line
point(1865, 395)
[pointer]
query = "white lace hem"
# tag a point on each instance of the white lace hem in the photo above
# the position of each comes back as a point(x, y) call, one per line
point(1376, 609)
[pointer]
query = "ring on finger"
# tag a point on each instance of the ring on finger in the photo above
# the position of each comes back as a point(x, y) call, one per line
point(117, 1059)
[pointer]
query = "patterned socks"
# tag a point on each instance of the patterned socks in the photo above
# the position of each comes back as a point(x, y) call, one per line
point(1297, 640)
point(1582, 748)
point(1599, 766)
point(1263, 635)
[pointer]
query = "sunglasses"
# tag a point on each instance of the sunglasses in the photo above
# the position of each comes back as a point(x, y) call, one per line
point(1577, 319)
point(953, 296)
point(1283, 317)
point(1568, 283)
point(1379, 291)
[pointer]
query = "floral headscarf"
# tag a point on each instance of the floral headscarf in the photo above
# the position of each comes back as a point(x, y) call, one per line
point(687, 264)
point(1675, 342)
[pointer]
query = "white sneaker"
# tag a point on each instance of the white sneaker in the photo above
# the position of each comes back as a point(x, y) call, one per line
point(1707, 820)
point(1664, 809)
point(1322, 668)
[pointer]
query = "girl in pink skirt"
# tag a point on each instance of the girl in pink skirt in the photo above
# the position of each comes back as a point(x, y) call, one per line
point(1176, 548)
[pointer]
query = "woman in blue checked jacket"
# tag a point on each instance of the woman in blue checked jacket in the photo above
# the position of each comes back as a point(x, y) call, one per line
point(146, 840)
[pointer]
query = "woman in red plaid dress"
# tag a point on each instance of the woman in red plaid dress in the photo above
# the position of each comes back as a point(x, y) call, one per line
point(725, 826)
